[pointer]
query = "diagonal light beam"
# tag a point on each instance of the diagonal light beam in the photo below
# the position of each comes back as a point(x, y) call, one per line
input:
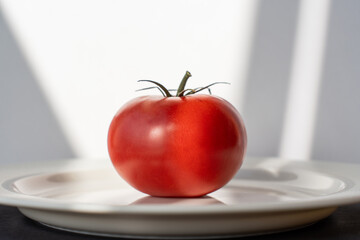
point(305, 80)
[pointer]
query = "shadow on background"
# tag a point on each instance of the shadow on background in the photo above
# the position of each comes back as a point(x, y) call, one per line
point(268, 76)
point(337, 136)
point(29, 130)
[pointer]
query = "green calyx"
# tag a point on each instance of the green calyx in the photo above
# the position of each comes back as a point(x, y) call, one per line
point(181, 91)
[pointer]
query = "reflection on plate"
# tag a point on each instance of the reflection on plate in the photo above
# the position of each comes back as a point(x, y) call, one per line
point(267, 195)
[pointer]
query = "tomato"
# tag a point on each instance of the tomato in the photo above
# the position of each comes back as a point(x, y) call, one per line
point(182, 146)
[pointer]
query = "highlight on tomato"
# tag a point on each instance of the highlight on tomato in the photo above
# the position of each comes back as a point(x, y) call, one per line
point(182, 145)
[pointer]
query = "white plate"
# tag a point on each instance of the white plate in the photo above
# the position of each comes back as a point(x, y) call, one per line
point(268, 195)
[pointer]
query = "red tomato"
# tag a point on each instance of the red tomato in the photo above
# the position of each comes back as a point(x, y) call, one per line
point(184, 146)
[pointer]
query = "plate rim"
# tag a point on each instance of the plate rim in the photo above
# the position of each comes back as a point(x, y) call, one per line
point(334, 200)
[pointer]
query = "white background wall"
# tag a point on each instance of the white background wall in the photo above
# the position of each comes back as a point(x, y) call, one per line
point(67, 66)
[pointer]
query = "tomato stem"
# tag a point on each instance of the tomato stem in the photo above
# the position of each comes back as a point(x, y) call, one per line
point(180, 91)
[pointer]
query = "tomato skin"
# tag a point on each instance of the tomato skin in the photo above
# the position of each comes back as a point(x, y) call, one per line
point(177, 146)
